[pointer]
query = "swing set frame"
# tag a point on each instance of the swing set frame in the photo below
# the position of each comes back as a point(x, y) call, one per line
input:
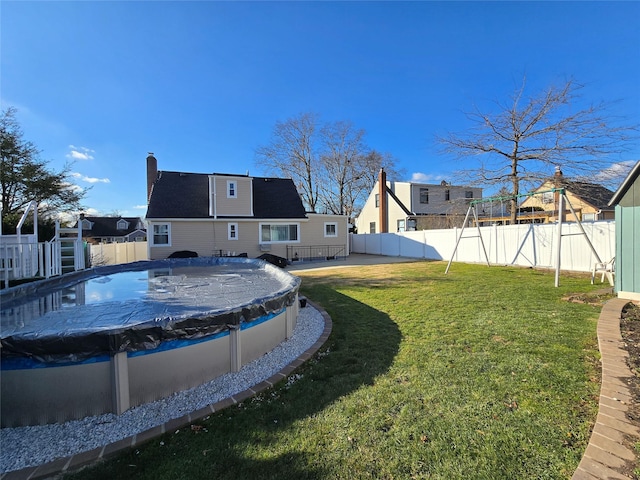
point(562, 198)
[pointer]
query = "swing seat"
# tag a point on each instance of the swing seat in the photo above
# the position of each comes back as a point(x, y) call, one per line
point(606, 268)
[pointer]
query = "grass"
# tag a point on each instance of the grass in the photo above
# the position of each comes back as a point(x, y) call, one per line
point(485, 373)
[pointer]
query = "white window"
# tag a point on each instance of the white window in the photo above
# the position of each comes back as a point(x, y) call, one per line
point(331, 229)
point(401, 225)
point(548, 197)
point(589, 217)
point(232, 231)
point(162, 234)
point(278, 232)
point(86, 224)
point(122, 225)
point(232, 189)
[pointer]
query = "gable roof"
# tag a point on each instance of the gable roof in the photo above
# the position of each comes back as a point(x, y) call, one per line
point(108, 226)
point(592, 193)
point(276, 198)
point(626, 184)
point(186, 195)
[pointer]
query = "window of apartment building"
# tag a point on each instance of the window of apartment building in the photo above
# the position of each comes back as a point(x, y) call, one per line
point(232, 189)
point(331, 229)
point(447, 195)
point(401, 227)
point(424, 195)
point(274, 232)
point(372, 227)
point(232, 231)
point(161, 234)
point(468, 194)
point(377, 200)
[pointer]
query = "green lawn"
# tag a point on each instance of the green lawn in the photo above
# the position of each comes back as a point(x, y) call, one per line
point(485, 373)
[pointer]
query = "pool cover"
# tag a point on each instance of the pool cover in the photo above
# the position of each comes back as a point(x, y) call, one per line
point(138, 306)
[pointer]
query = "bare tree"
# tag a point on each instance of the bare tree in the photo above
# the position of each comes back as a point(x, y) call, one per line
point(342, 166)
point(523, 140)
point(293, 152)
point(373, 161)
point(330, 163)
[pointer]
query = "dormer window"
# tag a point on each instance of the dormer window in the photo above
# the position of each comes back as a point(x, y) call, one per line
point(86, 224)
point(122, 224)
point(232, 189)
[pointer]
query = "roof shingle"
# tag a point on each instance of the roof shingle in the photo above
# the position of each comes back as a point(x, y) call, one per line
point(186, 195)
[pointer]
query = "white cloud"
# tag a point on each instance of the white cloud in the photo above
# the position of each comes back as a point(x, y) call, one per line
point(140, 207)
point(616, 171)
point(74, 187)
point(84, 178)
point(80, 153)
point(425, 178)
point(72, 217)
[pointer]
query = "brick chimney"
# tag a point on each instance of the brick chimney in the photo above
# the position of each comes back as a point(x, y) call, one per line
point(558, 177)
point(152, 173)
point(382, 195)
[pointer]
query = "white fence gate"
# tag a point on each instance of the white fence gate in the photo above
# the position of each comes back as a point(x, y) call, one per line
point(527, 245)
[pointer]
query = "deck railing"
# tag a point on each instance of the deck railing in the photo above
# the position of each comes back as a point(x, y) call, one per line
point(315, 252)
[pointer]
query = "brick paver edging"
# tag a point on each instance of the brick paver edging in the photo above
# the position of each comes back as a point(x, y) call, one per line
point(606, 453)
point(75, 462)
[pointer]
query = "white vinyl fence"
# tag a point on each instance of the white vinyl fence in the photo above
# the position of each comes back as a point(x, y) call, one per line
point(527, 245)
point(116, 253)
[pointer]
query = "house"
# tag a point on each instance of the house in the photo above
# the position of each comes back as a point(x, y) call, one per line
point(407, 206)
point(589, 201)
point(224, 215)
point(626, 201)
point(97, 230)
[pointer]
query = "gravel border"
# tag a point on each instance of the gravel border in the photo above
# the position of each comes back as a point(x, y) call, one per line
point(24, 447)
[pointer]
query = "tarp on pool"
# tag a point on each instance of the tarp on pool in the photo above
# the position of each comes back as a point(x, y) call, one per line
point(138, 306)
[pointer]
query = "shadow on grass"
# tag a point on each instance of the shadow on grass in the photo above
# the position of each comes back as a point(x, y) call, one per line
point(261, 438)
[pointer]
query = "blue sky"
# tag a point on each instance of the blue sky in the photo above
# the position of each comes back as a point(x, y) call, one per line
point(202, 84)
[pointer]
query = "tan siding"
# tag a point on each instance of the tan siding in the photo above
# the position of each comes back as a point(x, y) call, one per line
point(210, 237)
point(581, 207)
point(240, 206)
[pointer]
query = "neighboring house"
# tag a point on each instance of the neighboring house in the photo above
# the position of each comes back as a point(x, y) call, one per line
point(626, 201)
point(112, 229)
point(221, 214)
point(406, 206)
point(589, 201)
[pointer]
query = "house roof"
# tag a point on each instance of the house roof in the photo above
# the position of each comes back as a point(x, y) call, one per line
point(592, 193)
point(186, 195)
point(626, 184)
point(108, 226)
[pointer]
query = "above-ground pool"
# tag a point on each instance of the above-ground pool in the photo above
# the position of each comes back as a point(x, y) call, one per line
point(110, 338)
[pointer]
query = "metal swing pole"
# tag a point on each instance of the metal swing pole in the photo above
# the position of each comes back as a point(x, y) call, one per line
point(455, 249)
point(558, 247)
point(593, 250)
point(464, 225)
point(475, 216)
